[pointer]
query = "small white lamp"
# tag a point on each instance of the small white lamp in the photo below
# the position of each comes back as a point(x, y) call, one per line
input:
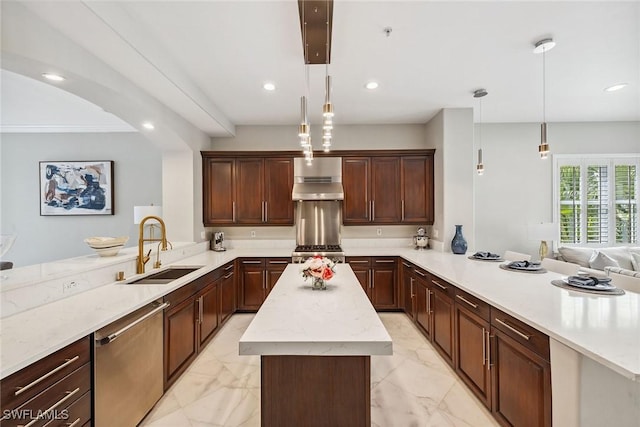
point(544, 231)
point(141, 212)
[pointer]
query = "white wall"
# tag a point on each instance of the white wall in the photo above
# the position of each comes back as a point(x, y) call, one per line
point(137, 181)
point(516, 188)
point(346, 137)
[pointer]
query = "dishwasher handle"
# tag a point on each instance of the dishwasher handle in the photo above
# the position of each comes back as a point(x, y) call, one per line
point(114, 336)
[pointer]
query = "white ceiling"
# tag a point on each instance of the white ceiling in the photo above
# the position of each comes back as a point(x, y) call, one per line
point(207, 60)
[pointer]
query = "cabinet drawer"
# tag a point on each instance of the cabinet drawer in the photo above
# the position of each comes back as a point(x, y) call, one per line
point(252, 262)
point(76, 415)
point(521, 332)
point(442, 286)
point(26, 383)
point(277, 263)
point(55, 398)
point(358, 261)
point(473, 304)
point(384, 262)
point(191, 288)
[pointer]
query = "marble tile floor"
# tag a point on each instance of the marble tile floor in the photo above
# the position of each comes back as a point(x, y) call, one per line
point(412, 388)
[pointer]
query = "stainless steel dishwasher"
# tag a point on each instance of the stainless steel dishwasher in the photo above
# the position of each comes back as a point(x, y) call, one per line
point(129, 367)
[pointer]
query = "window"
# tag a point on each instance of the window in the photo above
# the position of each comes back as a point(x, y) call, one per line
point(596, 199)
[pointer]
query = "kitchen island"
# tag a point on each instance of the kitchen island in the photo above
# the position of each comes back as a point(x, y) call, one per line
point(315, 348)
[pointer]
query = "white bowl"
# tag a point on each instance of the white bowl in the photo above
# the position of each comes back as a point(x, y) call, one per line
point(106, 246)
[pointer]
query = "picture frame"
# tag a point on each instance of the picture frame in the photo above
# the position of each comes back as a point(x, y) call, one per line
point(69, 188)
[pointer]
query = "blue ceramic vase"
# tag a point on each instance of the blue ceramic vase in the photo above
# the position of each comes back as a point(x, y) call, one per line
point(459, 244)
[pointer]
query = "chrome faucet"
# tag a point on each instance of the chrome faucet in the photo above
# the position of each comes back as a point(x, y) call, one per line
point(142, 258)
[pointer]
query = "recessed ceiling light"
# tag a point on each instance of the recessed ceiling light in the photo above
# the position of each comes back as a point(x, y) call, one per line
point(371, 85)
point(544, 45)
point(53, 77)
point(148, 126)
point(269, 86)
point(615, 87)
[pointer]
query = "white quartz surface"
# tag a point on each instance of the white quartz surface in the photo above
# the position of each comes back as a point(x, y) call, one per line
point(296, 320)
point(604, 328)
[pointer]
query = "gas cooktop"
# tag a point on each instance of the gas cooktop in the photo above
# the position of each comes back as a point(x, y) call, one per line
point(302, 252)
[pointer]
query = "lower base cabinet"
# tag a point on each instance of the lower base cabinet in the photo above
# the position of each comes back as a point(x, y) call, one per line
point(378, 278)
point(257, 276)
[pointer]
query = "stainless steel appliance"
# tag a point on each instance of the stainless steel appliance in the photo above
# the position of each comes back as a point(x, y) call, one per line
point(217, 241)
point(318, 192)
point(129, 367)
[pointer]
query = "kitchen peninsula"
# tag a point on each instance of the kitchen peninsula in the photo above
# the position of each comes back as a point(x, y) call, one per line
point(315, 349)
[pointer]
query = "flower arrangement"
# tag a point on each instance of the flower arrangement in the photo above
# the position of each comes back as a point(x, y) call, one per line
point(319, 268)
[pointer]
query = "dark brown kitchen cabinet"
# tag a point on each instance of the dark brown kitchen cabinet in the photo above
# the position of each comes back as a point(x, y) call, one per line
point(227, 292)
point(407, 295)
point(417, 189)
point(378, 278)
point(441, 306)
point(257, 277)
point(472, 334)
point(423, 310)
point(190, 322)
point(61, 381)
point(521, 372)
point(248, 189)
point(388, 187)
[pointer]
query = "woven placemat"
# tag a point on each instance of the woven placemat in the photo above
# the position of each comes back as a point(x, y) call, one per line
point(541, 271)
point(486, 259)
point(561, 284)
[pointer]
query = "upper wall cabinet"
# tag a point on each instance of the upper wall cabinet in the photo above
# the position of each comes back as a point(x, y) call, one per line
point(387, 187)
point(240, 190)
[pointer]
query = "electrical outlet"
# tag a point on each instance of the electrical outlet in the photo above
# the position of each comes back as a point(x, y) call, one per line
point(379, 231)
point(434, 233)
point(69, 286)
point(253, 233)
point(203, 235)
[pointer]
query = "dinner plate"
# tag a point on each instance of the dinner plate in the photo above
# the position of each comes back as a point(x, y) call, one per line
point(598, 287)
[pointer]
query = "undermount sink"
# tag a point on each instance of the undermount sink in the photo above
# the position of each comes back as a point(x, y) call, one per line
point(165, 276)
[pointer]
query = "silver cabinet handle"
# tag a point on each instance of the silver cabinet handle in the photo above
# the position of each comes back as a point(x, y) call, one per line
point(420, 273)
point(68, 396)
point(228, 275)
point(373, 210)
point(228, 267)
point(358, 262)
point(266, 212)
point(484, 346)
point(75, 423)
point(114, 336)
point(488, 351)
point(67, 362)
point(429, 293)
point(262, 211)
point(200, 312)
point(512, 329)
point(251, 262)
point(278, 262)
point(406, 265)
point(384, 261)
point(402, 210)
point(444, 288)
point(460, 297)
point(233, 211)
point(412, 294)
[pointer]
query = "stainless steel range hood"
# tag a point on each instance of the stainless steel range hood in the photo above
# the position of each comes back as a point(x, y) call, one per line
point(321, 180)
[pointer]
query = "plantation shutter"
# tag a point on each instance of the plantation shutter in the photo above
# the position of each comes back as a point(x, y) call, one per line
point(626, 203)
point(597, 219)
point(570, 205)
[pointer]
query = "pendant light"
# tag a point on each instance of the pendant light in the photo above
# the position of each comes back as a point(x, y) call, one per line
point(327, 108)
point(480, 93)
point(543, 46)
point(304, 130)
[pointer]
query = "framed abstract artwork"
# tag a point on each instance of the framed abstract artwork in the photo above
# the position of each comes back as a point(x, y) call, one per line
point(76, 188)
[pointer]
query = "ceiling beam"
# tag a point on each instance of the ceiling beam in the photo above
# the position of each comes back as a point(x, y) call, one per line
point(316, 23)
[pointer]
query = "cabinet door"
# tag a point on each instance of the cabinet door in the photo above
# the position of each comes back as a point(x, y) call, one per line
point(249, 197)
point(278, 184)
point(442, 312)
point(227, 296)
point(422, 302)
point(274, 268)
point(251, 284)
point(356, 206)
point(472, 364)
point(408, 290)
point(361, 268)
point(180, 344)
point(385, 190)
point(417, 189)
point(521, 383)
point(218, 191)
point(384, 292)
point(208, 316)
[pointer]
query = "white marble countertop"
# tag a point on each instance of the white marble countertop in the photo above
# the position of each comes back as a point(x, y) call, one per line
point(604, 328)
point(296, 320)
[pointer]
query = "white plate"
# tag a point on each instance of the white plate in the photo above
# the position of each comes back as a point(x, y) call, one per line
point(598, 287)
